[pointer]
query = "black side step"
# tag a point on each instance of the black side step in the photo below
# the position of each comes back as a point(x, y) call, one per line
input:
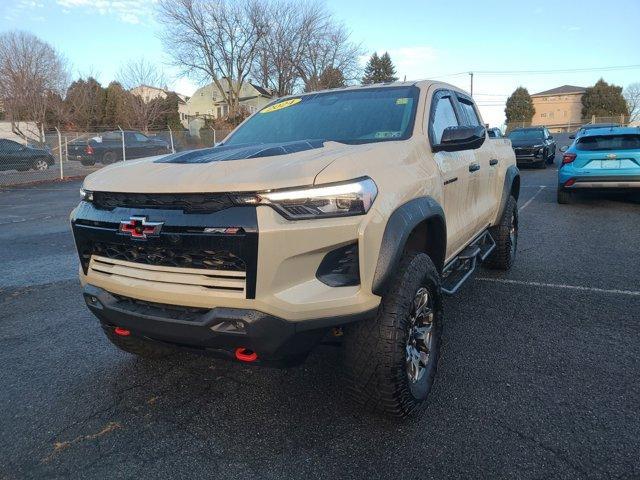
point(458, 270)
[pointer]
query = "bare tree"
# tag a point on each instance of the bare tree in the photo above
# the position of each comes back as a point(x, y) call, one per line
point(32, 74)
point(144, 101)
point(216, 40)
point(632, 96)
point(329, 47)
point(290, 31)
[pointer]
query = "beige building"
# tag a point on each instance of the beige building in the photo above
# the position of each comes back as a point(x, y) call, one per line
point(559, 109)
point(148, 93)
point(207, 102)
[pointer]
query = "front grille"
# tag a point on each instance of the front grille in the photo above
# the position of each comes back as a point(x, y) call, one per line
point(188, 202)
point(168, 256)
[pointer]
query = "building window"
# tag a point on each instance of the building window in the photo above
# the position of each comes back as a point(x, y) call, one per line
point(543, 115)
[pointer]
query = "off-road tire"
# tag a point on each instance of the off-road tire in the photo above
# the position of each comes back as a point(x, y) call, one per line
point(109, 157)
point(564, 197)
point(504, 254)
point(137, 346)
point(375, 349)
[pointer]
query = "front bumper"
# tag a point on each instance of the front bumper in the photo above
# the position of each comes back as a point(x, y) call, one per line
point(217, 331)
point(280, 259)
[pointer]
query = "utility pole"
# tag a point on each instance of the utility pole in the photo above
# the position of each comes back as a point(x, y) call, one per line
point(471, 75)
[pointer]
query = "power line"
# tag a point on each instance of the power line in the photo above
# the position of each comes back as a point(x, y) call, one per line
point(541, 72)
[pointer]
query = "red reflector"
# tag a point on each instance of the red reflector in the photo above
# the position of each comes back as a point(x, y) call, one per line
point(122, 332)
point(568, 158)
point(89, 150)
point(569, 182)
point(246, 355)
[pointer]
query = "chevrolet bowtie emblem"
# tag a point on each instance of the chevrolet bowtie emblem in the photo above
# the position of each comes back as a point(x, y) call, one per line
point(139, 228)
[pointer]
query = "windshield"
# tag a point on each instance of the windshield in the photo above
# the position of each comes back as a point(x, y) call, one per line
point(526, 135)
point(609, 142)
point(349, 116)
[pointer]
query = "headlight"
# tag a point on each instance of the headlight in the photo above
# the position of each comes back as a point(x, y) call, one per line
point(86, 195)
point(345, 199)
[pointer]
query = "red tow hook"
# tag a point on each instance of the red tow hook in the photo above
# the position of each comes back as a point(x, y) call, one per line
point(123, 332)
point(246, 355)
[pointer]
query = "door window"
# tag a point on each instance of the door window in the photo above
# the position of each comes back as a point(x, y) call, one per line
point(9, 146)
point(141, 138)
point(470, 116)
point(444, 116)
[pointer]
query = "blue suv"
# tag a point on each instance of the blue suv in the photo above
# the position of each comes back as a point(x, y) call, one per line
point(602, 158)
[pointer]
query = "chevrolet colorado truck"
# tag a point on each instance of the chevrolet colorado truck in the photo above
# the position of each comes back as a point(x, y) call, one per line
point(343, 215)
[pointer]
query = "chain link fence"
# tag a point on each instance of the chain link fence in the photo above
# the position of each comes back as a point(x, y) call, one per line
point(55, 155)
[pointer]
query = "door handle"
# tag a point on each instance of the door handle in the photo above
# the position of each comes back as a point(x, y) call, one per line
point(493, 162)
point(474, 167)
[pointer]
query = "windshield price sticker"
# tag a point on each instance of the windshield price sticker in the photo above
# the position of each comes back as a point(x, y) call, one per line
point(281, 105)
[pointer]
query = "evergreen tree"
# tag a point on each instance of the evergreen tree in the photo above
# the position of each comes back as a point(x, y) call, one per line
point(604, 100)
point(85, 101)
point(371, 70)
point(379, 69)
point(115, 106)
point(388, 70)
point(331, 78)
point(519, 106)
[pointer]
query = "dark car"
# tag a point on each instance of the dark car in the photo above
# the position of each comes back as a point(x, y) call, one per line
point(494, 132)
point(14, 156)
point(533, 146)
point(107, 147)
point(592, 126)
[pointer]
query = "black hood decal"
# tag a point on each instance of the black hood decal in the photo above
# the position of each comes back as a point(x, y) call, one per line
point(240, 152)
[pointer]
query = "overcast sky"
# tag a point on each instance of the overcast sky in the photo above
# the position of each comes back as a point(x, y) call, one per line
point(425, 38)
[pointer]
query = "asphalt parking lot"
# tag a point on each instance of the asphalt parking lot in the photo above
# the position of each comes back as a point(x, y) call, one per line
point(538, 376)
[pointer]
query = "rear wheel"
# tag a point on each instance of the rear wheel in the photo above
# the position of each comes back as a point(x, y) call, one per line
point(135, 345)
point(564, 197)
point(391, 360)
point(109, 157)
point(505, 235)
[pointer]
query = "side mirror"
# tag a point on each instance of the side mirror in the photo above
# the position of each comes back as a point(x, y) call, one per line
point(461, 138)
point(550, 137)
point(564, 148)
point(572, 137)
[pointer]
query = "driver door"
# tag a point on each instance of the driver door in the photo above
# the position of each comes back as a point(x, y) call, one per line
point(458, 197)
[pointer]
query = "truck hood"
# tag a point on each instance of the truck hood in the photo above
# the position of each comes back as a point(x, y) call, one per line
point(224, 169)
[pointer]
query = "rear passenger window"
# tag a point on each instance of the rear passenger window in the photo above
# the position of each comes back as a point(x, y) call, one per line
point(444, 116)
point(469, 112)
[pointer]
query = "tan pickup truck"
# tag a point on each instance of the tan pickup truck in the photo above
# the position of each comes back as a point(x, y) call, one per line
point(342, 214)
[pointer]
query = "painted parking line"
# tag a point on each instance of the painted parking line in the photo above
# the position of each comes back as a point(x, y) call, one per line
point(633, 293)
point(526, 204)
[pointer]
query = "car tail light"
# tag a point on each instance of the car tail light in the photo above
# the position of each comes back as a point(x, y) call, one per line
point(89, 150)
point(568, 158)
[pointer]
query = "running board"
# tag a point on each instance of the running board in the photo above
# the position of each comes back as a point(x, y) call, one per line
point(458, 270)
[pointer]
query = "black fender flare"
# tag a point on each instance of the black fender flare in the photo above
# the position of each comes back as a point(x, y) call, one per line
point(512, 175)
point(399, 227)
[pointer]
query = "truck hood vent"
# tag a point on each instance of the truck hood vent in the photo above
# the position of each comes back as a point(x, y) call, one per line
point(241, 152)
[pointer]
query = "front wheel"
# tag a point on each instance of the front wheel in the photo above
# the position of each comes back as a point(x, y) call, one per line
point(40, 165)
point(505, 234)
point(391, 360)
